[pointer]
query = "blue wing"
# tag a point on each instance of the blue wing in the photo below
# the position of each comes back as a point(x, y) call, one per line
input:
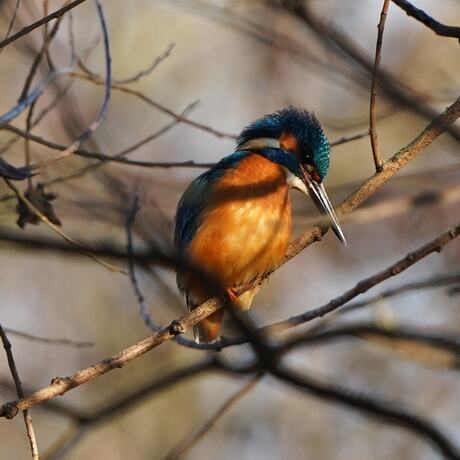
point(195, 199)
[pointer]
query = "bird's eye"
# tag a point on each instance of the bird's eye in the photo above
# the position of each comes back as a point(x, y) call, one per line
point(313, 172)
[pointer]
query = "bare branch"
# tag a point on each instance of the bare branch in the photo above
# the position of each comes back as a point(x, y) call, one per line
point(33, 209)
point(118, 157)
point(12, 21)
point(421, 16)
point(157, 61)
point(38, 58)
point(346, 139)
point(435, 245)
point(49, 340)
point(342, 45)
point(33, 96)
point(107, 90)
point(372, 112)
point(370, 405)
point(54, 15)
point(190, 440)
point(87, 75)
point(390, 168)
point(20, 393)
point(131, 268)
point(428, 283)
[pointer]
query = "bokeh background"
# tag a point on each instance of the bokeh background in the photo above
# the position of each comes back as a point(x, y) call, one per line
point(239, 59)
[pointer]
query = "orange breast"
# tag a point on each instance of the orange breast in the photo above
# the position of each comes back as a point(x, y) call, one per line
point(246, 228)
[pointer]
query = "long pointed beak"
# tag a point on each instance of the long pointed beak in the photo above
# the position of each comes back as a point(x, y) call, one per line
point(320, 198)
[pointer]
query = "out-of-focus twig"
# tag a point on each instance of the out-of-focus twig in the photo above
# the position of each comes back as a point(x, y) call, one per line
point(26, 30)
point(86, 75)
point(394, 164)
point(132, 270)
point(372, 406)
point(32, 96)
point(60, 385)
point(38, 58)
point(33, 209)
point(86, 134)
point(12, 21)
point(435, 245)
point(48, 340)
point(372, 108)
point(156, 62)
point(190, 440)
point(400, 159)
point(428, 283)
point(20, 393)
point(346, 139)
point(342, 45)
point(421, 16)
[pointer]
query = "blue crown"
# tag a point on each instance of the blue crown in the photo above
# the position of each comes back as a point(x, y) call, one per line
point(313, 145)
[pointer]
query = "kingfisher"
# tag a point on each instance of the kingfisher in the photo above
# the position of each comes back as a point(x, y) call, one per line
point(234, 220)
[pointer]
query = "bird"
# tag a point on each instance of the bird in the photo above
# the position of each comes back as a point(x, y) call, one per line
point(234, 221)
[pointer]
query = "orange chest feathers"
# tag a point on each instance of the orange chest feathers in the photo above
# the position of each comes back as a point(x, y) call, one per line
point(246, 227)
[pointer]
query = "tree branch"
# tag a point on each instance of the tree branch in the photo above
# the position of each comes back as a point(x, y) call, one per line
point(431, 23)
point(372, 112)
point(26, 30)
point(20, 393)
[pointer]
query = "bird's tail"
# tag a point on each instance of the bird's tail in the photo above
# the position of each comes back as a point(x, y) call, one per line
point(208, 329)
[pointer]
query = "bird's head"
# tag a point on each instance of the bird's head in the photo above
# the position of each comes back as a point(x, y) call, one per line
point(294, 138)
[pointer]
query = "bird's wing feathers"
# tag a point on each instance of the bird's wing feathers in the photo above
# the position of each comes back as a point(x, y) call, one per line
point(196, 197)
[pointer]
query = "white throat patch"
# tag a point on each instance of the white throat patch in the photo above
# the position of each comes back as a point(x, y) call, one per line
point(295, 182)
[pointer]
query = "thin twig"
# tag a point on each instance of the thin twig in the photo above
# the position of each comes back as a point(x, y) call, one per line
point(86, 134)
point(346, 139)
point(49, 340)
point(83, 423)
point(371, 406)
point(33, 95)
point(118, 157)
point(38, 58)
point(421, 16)
point(342, 45)
point(54, 15)
point(372, 111)
point(435, 245)
point(27, 157)
point(197, 435)
point(428, 283)
point(157, 61)
point(124, 152)
point(400, 159)
point(86, 75)
point(20, 393)
point(12, 21)
point(100, 156)
point(60, 94)
point(132, 270)
point(60, 385)
point(33, 209)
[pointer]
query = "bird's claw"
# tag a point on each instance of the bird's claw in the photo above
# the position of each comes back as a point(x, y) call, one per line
point(232, 295)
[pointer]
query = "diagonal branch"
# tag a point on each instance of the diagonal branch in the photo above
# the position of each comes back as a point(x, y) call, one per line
point(20, 393)
point(190, 440)
point(60, 386)
point(26, 30)
point(372, 111)
point(420, 15)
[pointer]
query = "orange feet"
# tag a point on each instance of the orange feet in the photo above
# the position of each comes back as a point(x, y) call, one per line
point(232, 294)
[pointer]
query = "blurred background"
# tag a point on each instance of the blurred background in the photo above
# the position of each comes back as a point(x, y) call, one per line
point(238, 60)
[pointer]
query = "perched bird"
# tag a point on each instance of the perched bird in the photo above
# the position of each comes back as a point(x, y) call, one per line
point(234, 221)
